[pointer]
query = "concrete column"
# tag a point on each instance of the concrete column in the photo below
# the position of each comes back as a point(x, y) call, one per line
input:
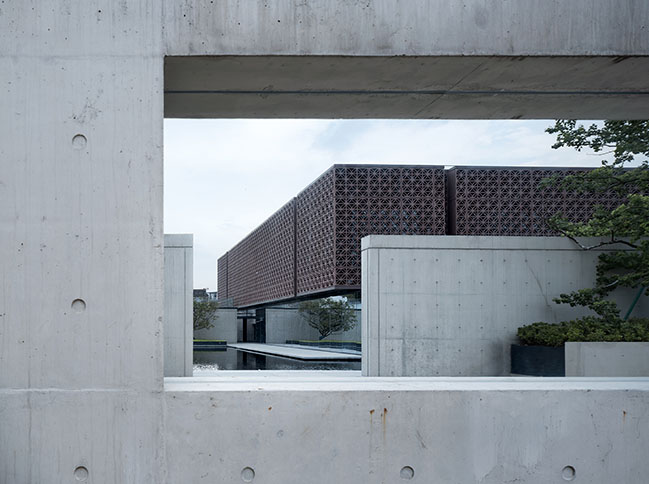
point(178, 315)
point(81, 236)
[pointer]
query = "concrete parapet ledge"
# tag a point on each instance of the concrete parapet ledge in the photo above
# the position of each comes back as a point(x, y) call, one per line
point(321, 428)
point(479, 242)
point(352, 381)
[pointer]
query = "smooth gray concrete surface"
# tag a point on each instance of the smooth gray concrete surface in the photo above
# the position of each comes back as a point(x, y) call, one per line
point(355, 429)
point(410, 87)
point(178, 309)
point(451, 305)
point(284, 324)
point(225, 326)
point(81, 232)
point(607, 359)
point(81, 265)
point(406, 28)
point(332, 380)
point(407, 59)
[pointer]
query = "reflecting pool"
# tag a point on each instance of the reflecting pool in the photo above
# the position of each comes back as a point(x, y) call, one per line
point(233, 359)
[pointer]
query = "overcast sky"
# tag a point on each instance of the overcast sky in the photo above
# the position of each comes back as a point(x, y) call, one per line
point(225, 177)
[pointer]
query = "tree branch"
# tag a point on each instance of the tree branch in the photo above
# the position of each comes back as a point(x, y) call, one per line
point(601, 244)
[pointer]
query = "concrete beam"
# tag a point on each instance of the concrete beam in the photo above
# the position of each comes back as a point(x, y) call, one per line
point(407, 27)
point(414, 59)
point(412, 87)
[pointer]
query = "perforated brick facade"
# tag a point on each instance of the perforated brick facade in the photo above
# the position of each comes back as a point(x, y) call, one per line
point(260, 268)
point(510, 201)
point(383, 200)
point(331, 216)
point(312, 244)
point(315, 239)
point(222, 275)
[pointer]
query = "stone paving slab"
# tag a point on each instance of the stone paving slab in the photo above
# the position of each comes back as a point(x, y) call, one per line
point(326, 349)
point(298, 353)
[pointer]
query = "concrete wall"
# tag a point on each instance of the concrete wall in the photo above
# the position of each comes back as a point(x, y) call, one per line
point(292, 429)
point(283, 324)
point(178, 315)
point(451, 305)
point(81, 265)
point(225, 326)
point(406, 28)
point(81, 231)
point(607, 359)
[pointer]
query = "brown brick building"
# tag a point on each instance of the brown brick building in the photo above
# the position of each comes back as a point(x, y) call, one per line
point(312, 244)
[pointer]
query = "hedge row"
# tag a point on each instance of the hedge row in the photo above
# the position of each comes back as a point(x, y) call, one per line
point(589, 328)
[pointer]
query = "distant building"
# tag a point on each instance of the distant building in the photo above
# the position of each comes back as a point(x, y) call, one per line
point(200, 295)
point(311, 246)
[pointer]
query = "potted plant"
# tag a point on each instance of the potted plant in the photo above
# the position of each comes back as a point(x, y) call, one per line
point(542, 348)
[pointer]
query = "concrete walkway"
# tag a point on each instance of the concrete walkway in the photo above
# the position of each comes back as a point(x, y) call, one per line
point(292, 351)
point(326, 349)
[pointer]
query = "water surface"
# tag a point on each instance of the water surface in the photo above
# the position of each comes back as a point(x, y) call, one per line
point(233, 359)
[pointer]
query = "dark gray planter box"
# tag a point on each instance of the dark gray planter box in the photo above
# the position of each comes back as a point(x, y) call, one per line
point(538, 360)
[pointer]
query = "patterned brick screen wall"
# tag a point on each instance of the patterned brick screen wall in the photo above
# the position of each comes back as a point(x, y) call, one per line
point(223, 276)
point(315, 256)
point(383, 200)
point(488, 201)
point(312, 244)
point(261, 266)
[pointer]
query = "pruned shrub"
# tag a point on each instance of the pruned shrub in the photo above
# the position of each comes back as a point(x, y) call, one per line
point(588, 328)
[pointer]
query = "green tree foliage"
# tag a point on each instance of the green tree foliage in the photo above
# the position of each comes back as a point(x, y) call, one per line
point(628, 224)
point(204, 314)
point(328, 316)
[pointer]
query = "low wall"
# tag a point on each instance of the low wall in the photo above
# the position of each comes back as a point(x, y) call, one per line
point(607, 359)
point(284, 324)
point(451, 305)
point(336, 429)
point(178, 304)
point(225, 326)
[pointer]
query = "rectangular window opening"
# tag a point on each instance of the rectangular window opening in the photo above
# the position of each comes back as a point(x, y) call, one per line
point(278, 172)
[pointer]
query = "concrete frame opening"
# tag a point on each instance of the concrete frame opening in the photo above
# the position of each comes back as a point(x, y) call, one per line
point(83, 395)
point(418, 87)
